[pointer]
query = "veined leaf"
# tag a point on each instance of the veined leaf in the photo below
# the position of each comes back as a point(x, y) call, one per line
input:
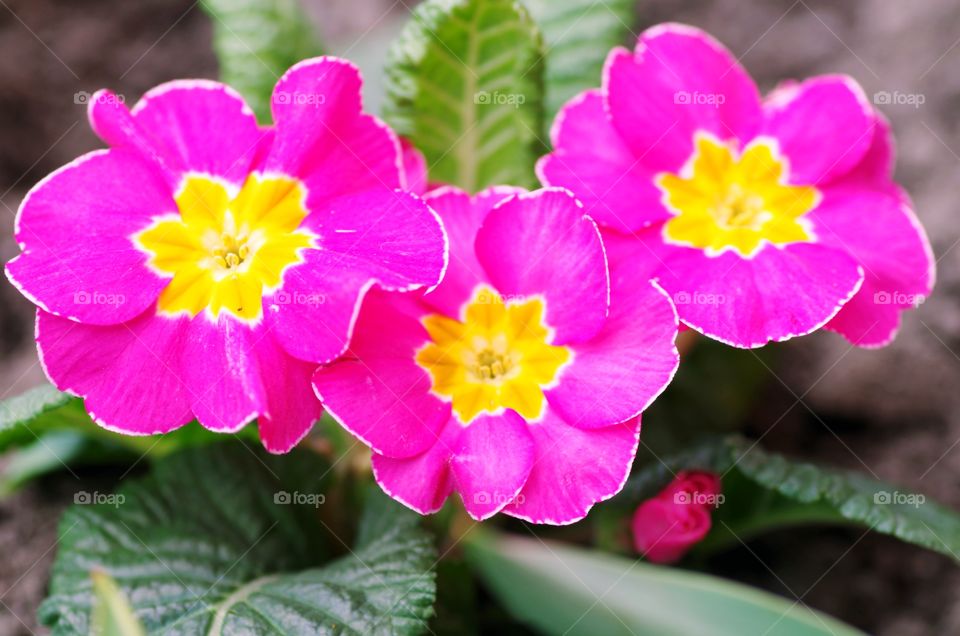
point(561, 589)
point(228, 540)
point(578, 36)
point(771, 491)
point(464, 83)
point(256, 41)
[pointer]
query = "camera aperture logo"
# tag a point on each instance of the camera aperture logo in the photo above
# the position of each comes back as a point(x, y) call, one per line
point(96, 498)
point(297, 498)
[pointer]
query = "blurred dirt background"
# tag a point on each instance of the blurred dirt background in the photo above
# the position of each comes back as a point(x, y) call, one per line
point(893, 412)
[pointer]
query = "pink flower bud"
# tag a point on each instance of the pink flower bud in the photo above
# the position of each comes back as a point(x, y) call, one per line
point(667, 526)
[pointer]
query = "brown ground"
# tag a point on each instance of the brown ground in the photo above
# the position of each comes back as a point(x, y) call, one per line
point(893, 412)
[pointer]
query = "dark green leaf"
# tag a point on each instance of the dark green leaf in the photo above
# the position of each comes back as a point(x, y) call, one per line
point(560, 589)
point(767, 490)
point(578, 36)
point(227, 540)
point(256, 41)
point(464, 83)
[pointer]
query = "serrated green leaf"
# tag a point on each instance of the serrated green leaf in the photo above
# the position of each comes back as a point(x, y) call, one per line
point(227, 540)
point(256, 41)
point(772, 491)
point(578, 36)
point(464, 83)
point(561, 589)
point(112, 614)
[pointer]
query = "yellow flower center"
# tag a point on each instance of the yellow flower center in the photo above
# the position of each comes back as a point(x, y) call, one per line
point(725, 201)
point(498, 357)
point(226, 252)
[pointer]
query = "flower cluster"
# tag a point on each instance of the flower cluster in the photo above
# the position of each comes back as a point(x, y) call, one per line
point(501, 345)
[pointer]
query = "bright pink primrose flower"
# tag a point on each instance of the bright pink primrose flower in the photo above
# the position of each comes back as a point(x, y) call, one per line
point(764, 219)
point(668, 525)
point(203, 265)
point(518, 382)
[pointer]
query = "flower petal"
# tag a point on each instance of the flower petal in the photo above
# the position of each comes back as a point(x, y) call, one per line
point(492, 460)
point(618, 373)
point(220, 367)
point(574, 469)
point(593, 161)
point(880, 231)
point(462, 216)
point(323, 138)
point(391, 236)
point(313, 315)
point(126, 373)
point(778, 294)
point(541, 243)
point(424, 482)
point(677, 81)
point(377, 391)
point(74, 228)
point(199, 126)
point(414, 168)
point(291, 406)
point(823, 126)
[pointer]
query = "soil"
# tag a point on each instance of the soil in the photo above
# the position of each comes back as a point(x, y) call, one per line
point(893, 412)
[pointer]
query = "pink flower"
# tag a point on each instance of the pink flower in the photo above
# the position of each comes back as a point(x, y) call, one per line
point(202, 266)
point(763, 219)
point(518, 382)
point(668, 525)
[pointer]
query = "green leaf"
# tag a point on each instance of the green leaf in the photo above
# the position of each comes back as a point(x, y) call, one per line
point(578, 35)
point(228, 540)
point(24, 416)
point(256, 41)
point(560, 589)
point(464, 84)
point(112, 614)
point(765, 490)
